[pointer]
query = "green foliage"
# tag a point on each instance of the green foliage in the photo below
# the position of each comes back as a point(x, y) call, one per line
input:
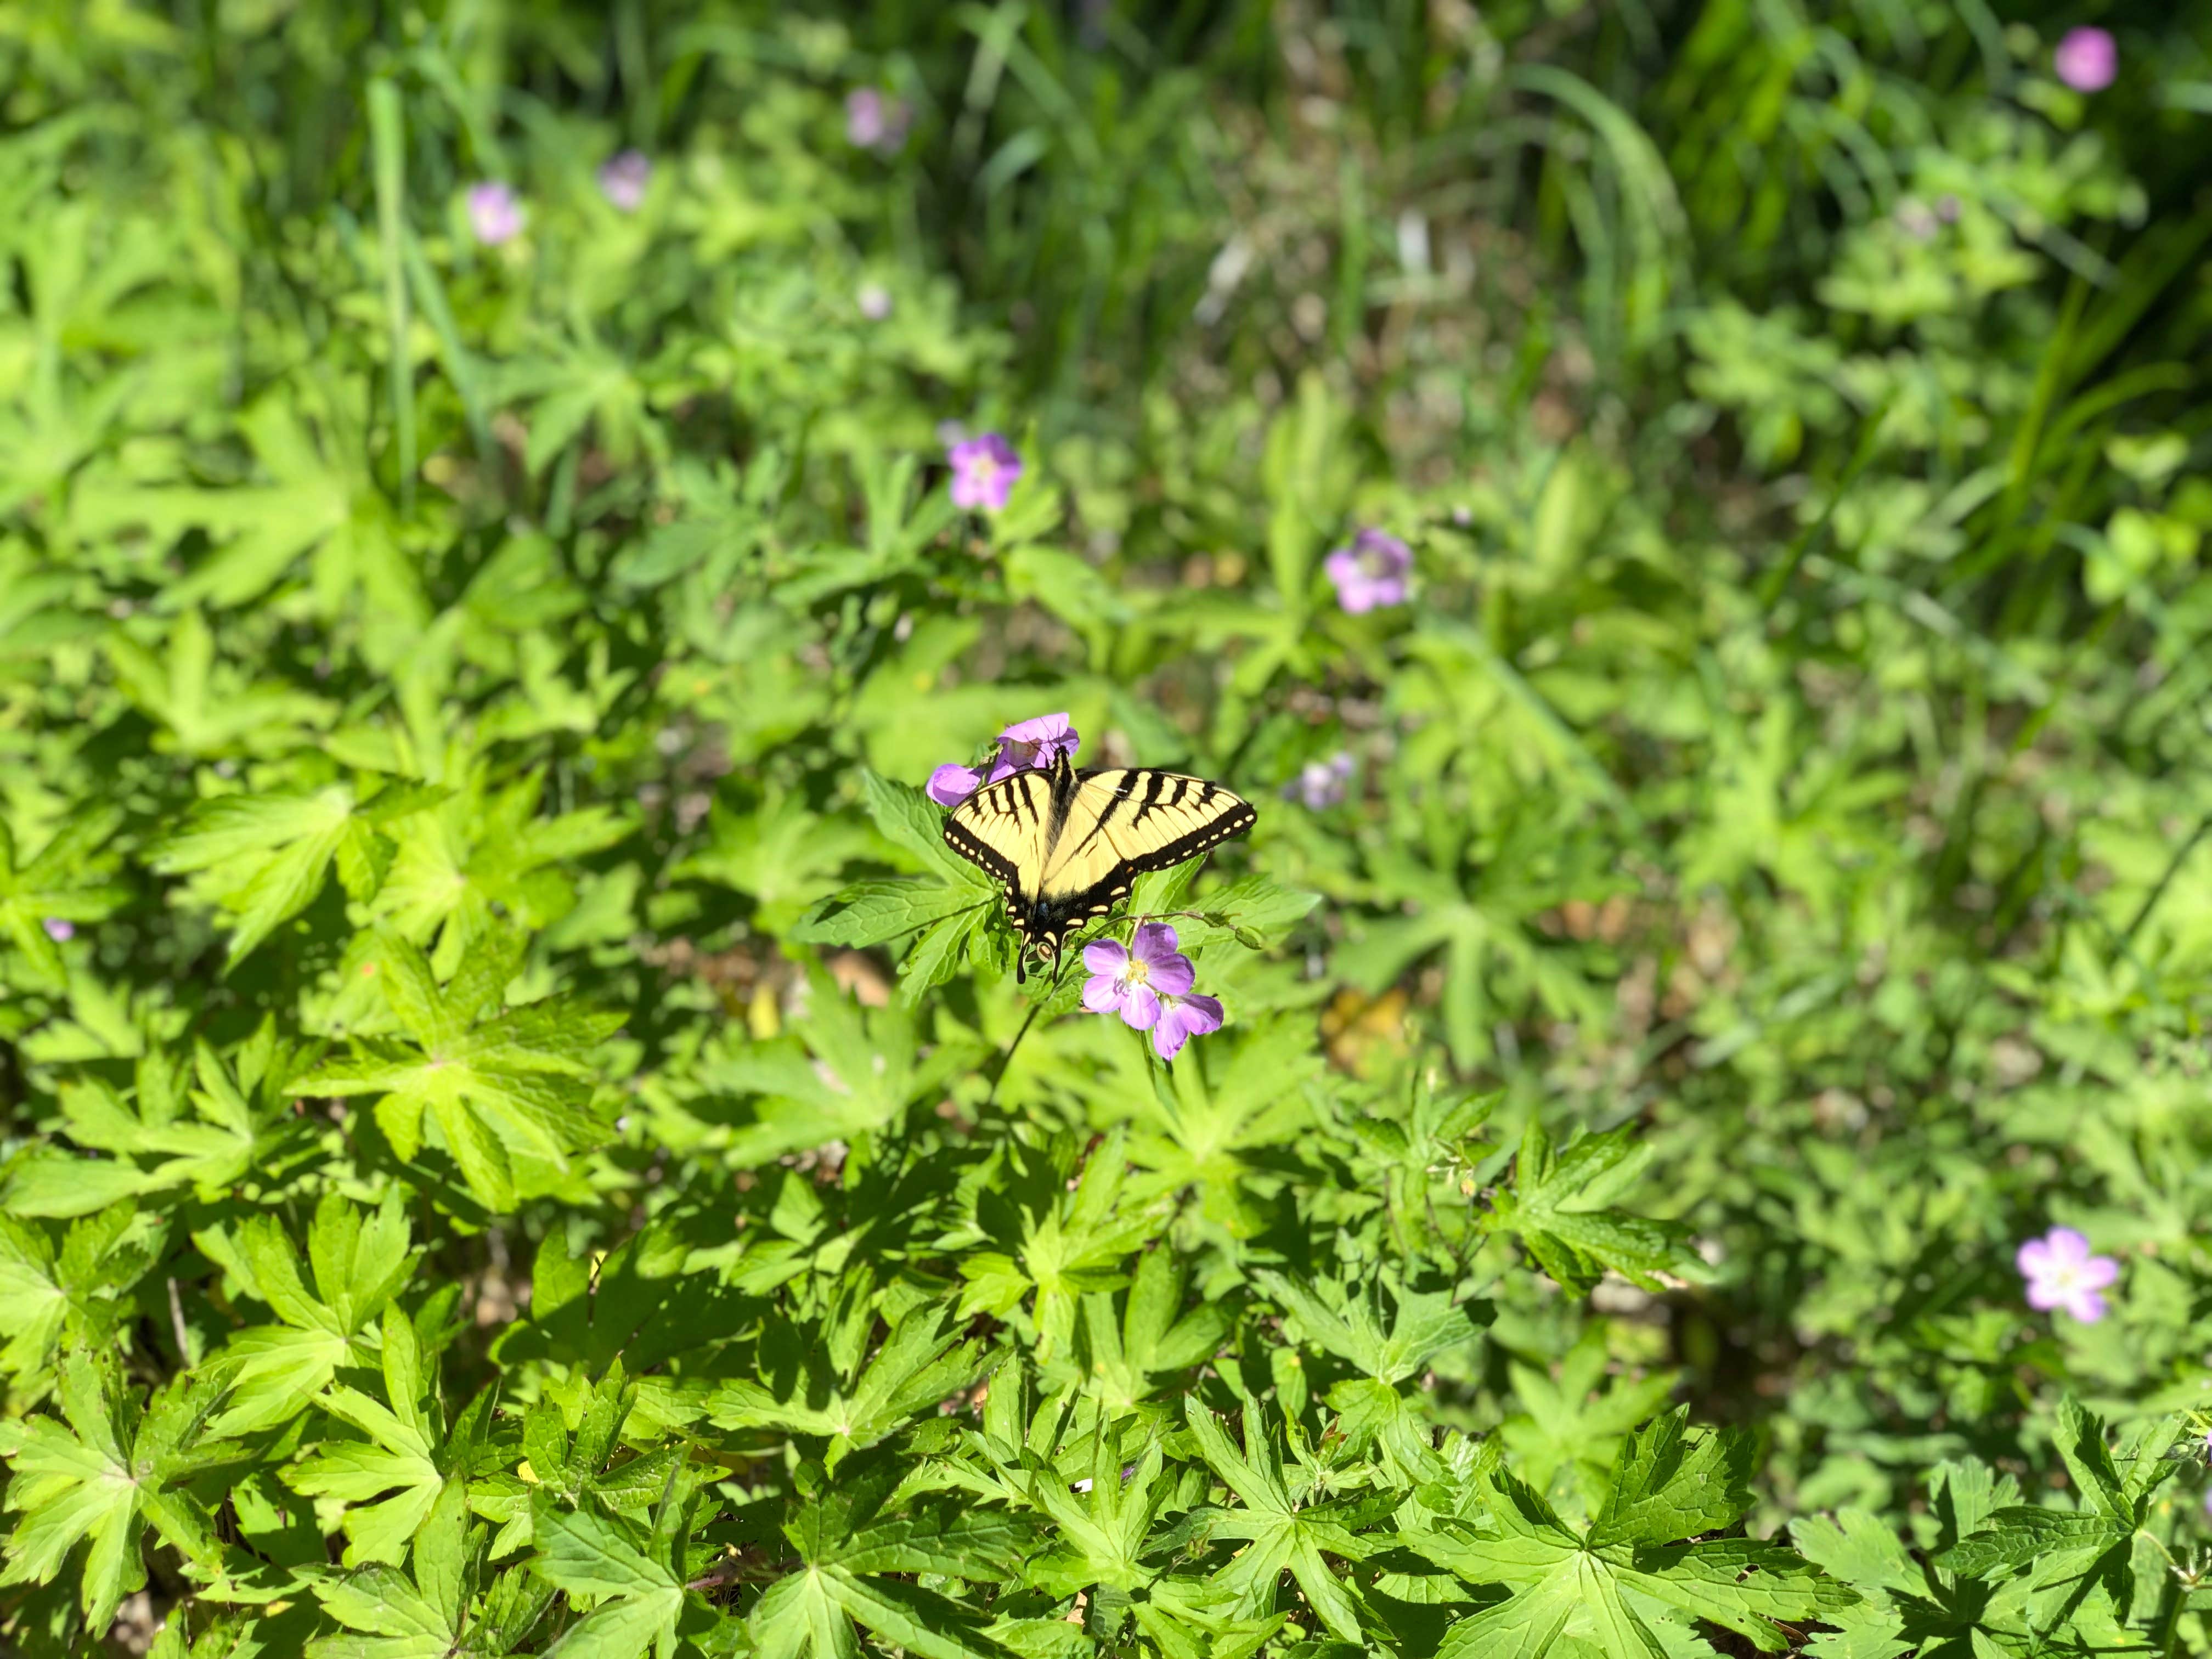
point(522, 1139)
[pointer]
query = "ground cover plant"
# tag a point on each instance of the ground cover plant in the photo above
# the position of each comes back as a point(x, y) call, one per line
point(1682, 1127)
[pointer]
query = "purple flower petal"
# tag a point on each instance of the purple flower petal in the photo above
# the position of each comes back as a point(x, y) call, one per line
point(1032, 742)
point(2067, 1248)
point(1155, 943)
point(1102, 991)
point(623, 178)
point(1164, 969)
point(494, 213)
point(863, 117)
point(1041, 729)
point(1182, 1020)
point(2086, 59)
point(1369, 573)
point(1172, 978)
point(1382, 553)
point(950, 785)
point(2062, 1273)
point(59, 929)
point(1040, 741)
point(984, 469)
point(875, 122)
point(1106, 956)
point(1321, 784)
point(2084, 1305)
point(1140, 1009)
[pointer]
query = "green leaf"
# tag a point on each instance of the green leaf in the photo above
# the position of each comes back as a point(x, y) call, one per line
point(876, 912)
point(509, 1091)
point(1668, 1486)
point(395, 1619)
point(936, 956)
point(907, 818)
point(1556, 1207)
point(100, 1476)
point(62, 883)
point(1281, 1535)
point(264, 858)
point(1352, 1324)
point(1525, 1627)
point(2016, 1534)
point(358, 1265)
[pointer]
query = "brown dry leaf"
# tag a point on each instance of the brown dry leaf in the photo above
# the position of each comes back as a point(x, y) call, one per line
point(1361, 1032)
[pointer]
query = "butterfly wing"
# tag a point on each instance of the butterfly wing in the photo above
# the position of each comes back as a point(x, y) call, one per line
point(1002, 829)
point(1125, 821)
point(1066, 846)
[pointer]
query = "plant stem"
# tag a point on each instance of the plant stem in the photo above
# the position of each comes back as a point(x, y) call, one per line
point(1059, 968)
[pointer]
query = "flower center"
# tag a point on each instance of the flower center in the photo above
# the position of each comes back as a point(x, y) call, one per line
point(1136, 973)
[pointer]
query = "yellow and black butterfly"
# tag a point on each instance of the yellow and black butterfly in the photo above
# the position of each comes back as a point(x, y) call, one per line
point(1067, 845)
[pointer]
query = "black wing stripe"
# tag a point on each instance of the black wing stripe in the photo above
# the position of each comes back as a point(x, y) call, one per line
point(1189, 846)
point(968, 832)
point(1097, 828)
point(980, 853)
point(1060, 791)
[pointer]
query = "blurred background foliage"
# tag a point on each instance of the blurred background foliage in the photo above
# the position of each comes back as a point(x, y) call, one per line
point(1795, 751)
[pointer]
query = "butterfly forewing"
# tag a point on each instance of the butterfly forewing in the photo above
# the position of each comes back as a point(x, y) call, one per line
point(1148, 820)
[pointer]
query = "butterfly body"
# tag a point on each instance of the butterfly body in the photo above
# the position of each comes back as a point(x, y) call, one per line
point(1066, 846)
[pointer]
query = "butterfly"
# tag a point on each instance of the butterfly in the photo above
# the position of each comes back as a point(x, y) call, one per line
point(1067, 845)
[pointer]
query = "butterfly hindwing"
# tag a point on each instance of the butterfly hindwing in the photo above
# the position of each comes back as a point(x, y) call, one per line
point(1066, 846)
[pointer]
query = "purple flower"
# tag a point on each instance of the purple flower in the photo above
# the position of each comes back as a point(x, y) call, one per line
point(950, 785)
point(874, 300)
point(1916, 219)
point(623, 179)
point(1023, 745)
point(1183, 1018)
point(494, 213)
point(2062, 1273)
point(59, 930)
point(1038, 742)
point(1148, 986)
point(1321, 784)
point(2086, 60)
point(875, 122)
point(1130, 981)
point(1370, 572)
point(983, 472)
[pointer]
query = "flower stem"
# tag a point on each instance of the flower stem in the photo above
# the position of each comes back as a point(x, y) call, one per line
point(1059, 968)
